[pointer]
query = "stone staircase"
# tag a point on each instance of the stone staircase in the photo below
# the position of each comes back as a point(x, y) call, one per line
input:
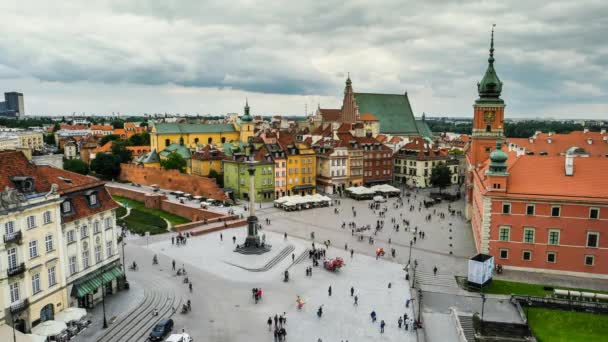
point(466, 322)
point(426, 277)
point(270, 264)
point(299, 259)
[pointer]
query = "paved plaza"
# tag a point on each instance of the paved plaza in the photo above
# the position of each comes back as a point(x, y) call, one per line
point(223, 307)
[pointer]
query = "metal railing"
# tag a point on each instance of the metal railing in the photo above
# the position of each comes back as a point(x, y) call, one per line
point(17, 270)
point(14, 237)
point(19, 306)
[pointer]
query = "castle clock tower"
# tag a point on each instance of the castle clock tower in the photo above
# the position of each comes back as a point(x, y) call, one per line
point(488, 117)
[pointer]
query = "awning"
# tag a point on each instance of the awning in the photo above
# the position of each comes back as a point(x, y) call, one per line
point(92, 282)
point(303, 187)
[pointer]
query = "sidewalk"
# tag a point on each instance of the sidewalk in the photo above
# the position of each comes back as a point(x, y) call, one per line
point(553, 280)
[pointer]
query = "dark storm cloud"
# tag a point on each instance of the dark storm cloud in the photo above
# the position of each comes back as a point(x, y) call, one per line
point(548, 53)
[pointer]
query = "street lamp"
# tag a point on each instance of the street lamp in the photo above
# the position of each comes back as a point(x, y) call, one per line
point(13, 316)
point(414, 276)
point(123, 243)
point(419, 304)
point(103, 302)
point(409, 259)
point(483, 304)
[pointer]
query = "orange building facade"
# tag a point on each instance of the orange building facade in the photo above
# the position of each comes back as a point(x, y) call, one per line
point(538, 213)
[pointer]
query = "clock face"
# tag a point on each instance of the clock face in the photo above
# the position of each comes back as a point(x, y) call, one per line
point(489, 116)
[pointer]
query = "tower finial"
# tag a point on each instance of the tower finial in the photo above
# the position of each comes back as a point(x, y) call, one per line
point(491, 59)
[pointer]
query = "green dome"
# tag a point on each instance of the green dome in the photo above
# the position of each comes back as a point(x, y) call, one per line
point(498, 156)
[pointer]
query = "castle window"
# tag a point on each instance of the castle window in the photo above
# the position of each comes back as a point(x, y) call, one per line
point(209, 141)
point(167, 142)
point(551, 257)
point(488, 128)
point(223, 140)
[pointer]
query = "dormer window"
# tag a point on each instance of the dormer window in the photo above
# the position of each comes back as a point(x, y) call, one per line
point(66, 207)
point(91, 197)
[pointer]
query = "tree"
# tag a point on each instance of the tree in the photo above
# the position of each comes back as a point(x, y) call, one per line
point(106, 165)
point(174, 162)
point(49, 139)
point(141, 139)
point(118, 123)
point(219, 179)
point(106, 138)
point(76, 165)
point(441, 176)
point(119, 148)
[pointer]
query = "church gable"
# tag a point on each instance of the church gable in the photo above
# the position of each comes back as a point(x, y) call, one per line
point(392, 110)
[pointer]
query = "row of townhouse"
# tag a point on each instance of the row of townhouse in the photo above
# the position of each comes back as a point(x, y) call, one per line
point(59, 242)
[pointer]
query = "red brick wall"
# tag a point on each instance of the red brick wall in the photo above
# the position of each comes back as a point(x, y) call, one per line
point(134, 195)
point(157, 201)
point(172, 179)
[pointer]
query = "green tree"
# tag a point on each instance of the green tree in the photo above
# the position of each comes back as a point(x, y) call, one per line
point(106, 165)
point(441, 176)
point(76, 165)
point(141, 139)
point(118, 123)
point(106, 138)
point(174, 162)
point(119, 148)
point(219, 179)
point(49, 139)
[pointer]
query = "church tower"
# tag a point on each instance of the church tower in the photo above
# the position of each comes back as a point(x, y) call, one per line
point(349, 112)
point(246, 124)
point(488, 117)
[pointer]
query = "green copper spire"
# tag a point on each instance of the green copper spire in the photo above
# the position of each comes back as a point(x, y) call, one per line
point(246, 117)
point(498, 159)
point(490, 86)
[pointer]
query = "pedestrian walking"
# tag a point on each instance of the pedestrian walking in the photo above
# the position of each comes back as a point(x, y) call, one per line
point(400, 322)
point(382, 324)
point(356, 301)
point(173, 240)
point(173, 263)
point(373, 316)
point(329, 291)
point(293, 257)
point(276, 320)
point(269, 322)
point(221, 237)
point(285, 236)
point(190, 286)
point(352, 291)
point(233, 239)
point(351, 253)
point(435, 270)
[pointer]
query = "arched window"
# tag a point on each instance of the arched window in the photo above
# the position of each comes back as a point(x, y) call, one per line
point(181, 140)
point(223, 140)
point(488, 128)
point(196, 140)
point(167, 142)
point(209, 141)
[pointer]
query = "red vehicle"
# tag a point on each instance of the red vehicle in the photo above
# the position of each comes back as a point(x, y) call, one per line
point(333, 264)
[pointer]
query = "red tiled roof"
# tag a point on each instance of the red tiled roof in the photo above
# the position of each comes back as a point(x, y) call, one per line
point(544, 176)
point(367, 117)
point(119, 131)
point(381, 137)
point(101, 127)
point(330, 114)
point(562, 142)
point(107, 147)
point(73, 127)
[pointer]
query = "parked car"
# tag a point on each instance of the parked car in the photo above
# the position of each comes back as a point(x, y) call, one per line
point(161, 329)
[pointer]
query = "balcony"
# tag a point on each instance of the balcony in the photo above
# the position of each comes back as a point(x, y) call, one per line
point(13, 237)
point(15, 271)
point(19, 306)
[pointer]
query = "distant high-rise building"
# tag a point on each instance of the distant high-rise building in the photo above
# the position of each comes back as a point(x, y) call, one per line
point(13, 105)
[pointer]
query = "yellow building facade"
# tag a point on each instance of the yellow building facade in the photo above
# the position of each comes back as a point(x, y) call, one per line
point(33, 281)
point(301, 169)
point(192, 135)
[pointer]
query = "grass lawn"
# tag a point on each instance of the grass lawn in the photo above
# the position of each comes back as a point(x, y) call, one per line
point(140, 222)
point(121, 211)
point(174, 219)
point(550, 325)
point(512, 287)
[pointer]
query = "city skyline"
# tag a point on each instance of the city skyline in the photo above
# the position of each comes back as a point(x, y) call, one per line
point(142, 57)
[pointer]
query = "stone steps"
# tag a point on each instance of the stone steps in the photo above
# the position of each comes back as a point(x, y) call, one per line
point(424, 277)
point(303, 256)
point(466, 322)
point(270, 264)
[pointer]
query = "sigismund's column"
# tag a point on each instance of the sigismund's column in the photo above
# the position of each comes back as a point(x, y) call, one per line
point(253, 244)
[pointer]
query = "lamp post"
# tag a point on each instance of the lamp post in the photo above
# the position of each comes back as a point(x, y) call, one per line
point(13, 316)
point(103, 303)
point(483, 304)
point(409, 259)
point(419, 304)
point(123, 243)
point(414, 277)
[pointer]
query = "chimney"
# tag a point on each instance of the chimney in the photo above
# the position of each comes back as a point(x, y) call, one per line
point(589, 141)
point(603, 131)
point(531, 140)
point(550, 133)
point(549, 140)
point(585, 130)
point(569, 165)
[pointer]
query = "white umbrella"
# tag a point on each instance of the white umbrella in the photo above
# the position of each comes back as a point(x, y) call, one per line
point(36, 338)
point(71, 314)
point(49, 328)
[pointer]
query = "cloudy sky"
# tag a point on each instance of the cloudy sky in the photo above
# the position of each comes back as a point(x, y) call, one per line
point(193, 56)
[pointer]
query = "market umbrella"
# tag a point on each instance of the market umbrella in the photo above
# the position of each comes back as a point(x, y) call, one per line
point(49, 328)
point(36, 338)
point(70, 314)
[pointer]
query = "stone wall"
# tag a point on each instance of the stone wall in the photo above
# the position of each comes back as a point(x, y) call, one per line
point(159, 201)
point(172, 179)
